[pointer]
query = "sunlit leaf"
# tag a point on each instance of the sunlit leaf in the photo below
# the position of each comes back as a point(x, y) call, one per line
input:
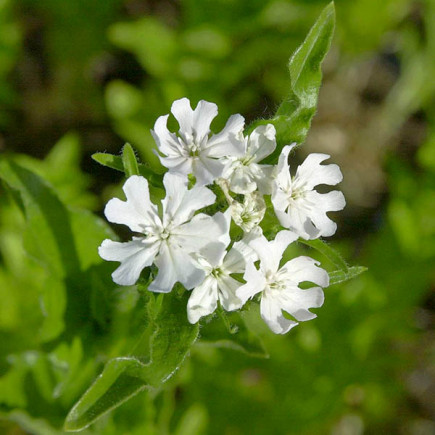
point(116, 162)
point(109, 160)
point(129, 161)
point(330, 253)
point(292, 120)
point(339, 276)
point(63, 241)
point(233, 334)
point(126, 376)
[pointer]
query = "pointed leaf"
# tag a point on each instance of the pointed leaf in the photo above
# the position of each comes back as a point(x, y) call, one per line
point(116, 162)
point(124, 377)
point(129, 161)
point(339, 276)
point(293, 117)
point(325, 249)
point(109, 160)
point(63, 241)
point(243, 340)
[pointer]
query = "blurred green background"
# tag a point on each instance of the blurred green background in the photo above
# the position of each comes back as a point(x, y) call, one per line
point(81, 76)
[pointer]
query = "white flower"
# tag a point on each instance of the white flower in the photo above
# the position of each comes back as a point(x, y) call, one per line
point(218, 285)
point(193, 151)
point(244, 173)
point(249, 214)
point(297, 205)
point(279, 287)
point(166, 241)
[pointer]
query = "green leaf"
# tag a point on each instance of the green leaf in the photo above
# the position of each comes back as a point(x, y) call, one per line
point(56, 237)
point(63, 241)
point(55, 300)
point(339, 276)
point(237, 336)
point(109, 160)
point(124, 377)
point(61, 168)
point(330, 253)
point(193, 421)
point(116, 162)
point(154, 43)
point(129, 161)
point(293, 117)
point(344, 272)
point(29, 423)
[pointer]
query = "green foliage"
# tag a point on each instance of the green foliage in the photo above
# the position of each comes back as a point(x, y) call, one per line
point(117, 163)
point(129, 161)
point(76, 297)
point(326, 250)
point(10, 41)
point(125, 376)
point(58, 239)
point(233, 333)
point(339, 276)
point(61, 168)
point(293, 117)
point(74, 345)
point(75, 47)
point(205, 56)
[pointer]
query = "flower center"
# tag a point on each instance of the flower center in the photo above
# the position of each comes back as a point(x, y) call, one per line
point(216, 272)
point(273, 283)
point(295, 194)
point(193, 149)
point(191, 144)
point(164, 235)
point(247, 160)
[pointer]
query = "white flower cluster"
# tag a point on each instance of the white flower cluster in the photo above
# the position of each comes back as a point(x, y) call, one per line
point(196, 250)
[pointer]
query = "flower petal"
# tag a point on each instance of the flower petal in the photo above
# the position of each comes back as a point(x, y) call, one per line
point(227, 293)
point(297, 218)
point(203, 115)
point(255, 283)
point(200, 231)
point(167, 142)
point(264, 179)
point(229, 142)
point(134, 257)
point(311, 173)
point(213, 253)
point(272, 315)
point(300, 208)
point(178, 165)
point(282, 177)
point(325, 202)
point(262, 142)
point(297, 302)
point(270, 253)
point(203, 300)
point(279, 199)
point(241, 180)
point(242, 253)
point(183, 113)
point(138, 211)
point(180, 204)
point(303, 269)
point(234, 261)
point(174, 265)
point(206, 169)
